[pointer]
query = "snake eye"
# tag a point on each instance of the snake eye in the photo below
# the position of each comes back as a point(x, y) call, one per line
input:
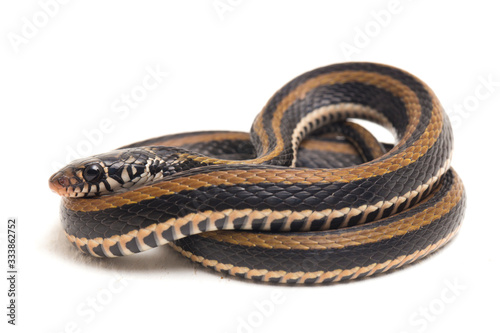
point(93, 172)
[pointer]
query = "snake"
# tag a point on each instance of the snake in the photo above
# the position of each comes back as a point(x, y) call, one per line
point(309, 196)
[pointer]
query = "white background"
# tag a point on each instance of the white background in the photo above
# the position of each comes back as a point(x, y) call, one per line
point(62, 78)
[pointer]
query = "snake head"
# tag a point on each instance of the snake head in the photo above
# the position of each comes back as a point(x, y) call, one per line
point(86, 177)
point(119, 171)
point(101, 174)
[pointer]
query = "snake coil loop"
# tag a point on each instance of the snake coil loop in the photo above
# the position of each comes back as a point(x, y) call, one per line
point(307, 197)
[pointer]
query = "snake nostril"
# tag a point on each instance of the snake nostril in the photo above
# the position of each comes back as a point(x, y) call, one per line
point(63, 181)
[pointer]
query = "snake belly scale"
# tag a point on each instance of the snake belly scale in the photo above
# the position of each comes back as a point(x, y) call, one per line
point(307, 197)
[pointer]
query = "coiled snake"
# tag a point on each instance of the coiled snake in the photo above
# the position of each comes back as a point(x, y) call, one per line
point(283, 208)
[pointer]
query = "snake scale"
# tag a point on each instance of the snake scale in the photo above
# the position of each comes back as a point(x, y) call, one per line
point(307, 197)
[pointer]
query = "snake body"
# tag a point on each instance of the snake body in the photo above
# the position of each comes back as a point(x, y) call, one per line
point(273, 206)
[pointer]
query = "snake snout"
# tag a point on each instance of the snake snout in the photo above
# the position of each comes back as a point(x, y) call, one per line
point(60, 182)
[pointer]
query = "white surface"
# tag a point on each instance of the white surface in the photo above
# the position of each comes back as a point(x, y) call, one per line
point(70, 75)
